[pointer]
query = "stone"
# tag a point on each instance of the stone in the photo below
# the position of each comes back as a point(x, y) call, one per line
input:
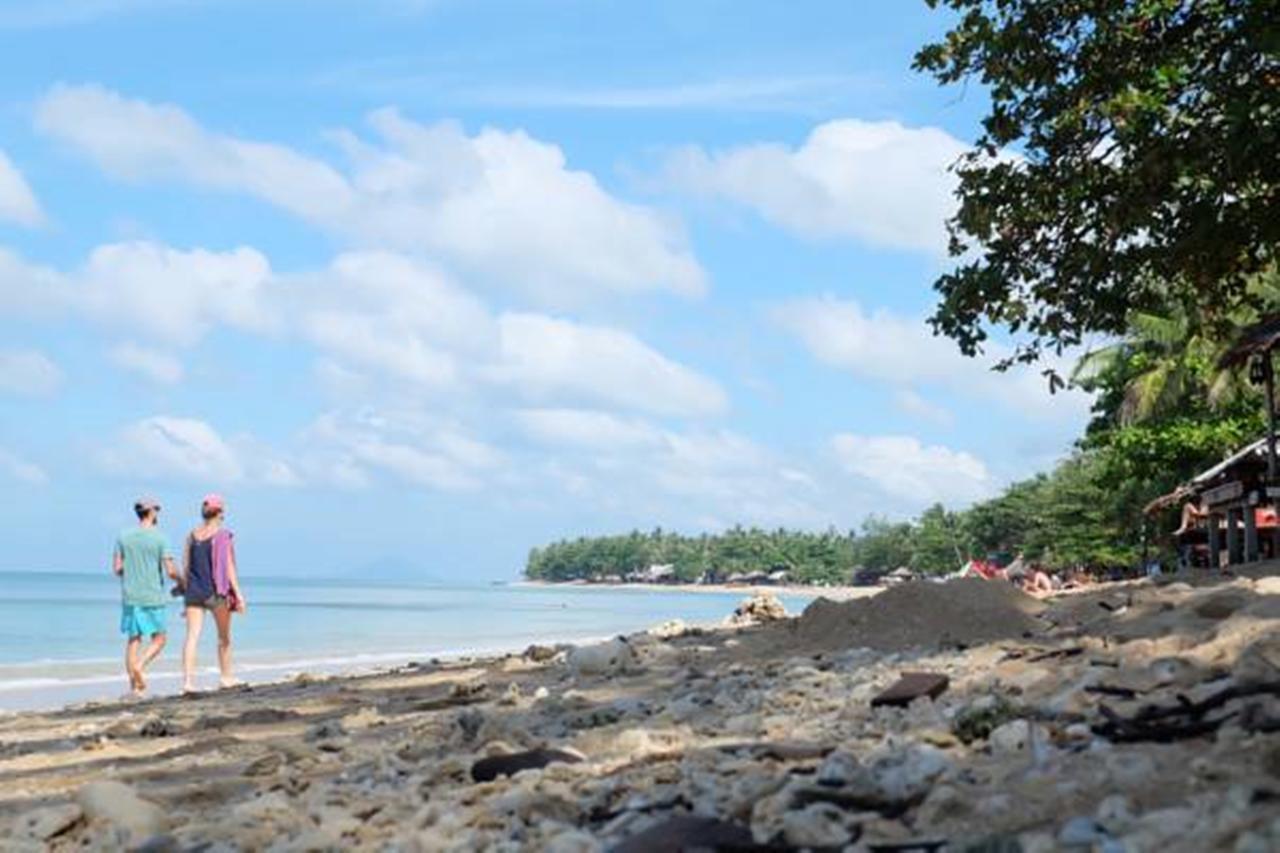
point(118, 804)
point(1013, 736)
point(1115, 814)
point(488, 769)
point(688, 833)
point(47, 823)
point(1079, 832)
point(264, 766)
point(573, 841)
point(911, 686)
point(326, 730)
point(607, 657)
point(669, 630)
point(760, 608)
point(1221, 605)
point(816, 825)
point(838, 769)
point(540, 654)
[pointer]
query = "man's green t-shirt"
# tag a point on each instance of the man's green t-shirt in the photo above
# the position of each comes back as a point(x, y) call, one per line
point(143, 550)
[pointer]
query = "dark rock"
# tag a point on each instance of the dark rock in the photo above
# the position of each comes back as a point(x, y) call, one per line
point(327, 730)
point(540, 654)
point(679, 834)
point(488, 769)
point(911, 686)
point(158, 727)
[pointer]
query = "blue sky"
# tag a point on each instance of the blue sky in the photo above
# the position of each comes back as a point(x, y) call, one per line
point(428, 283)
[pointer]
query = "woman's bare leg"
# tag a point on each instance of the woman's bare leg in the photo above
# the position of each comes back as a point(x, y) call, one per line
point(222, 618)
point(195, 619)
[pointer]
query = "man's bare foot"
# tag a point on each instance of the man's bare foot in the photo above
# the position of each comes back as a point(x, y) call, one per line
point(228, 683)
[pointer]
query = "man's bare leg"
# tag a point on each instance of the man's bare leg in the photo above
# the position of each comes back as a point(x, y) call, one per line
point(148, 656)
point(136, 683)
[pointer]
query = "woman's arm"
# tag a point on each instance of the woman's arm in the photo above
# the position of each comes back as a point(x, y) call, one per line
point(233, 579)
point(186, 563)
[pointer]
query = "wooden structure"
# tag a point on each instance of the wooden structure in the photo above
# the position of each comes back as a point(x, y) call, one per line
point(1233, 491)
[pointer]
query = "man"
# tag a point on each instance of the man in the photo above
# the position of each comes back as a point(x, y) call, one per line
point(142, 559)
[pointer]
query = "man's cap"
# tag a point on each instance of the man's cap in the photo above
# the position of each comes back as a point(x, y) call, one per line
point(145, 503)
point(213, 500)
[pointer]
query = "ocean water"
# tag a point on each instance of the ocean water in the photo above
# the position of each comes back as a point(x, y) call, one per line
point(60, 639)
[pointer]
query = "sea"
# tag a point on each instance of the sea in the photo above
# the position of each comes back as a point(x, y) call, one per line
point(60, 641)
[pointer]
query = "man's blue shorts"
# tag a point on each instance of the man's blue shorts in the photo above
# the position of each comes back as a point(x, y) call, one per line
point(137, 620)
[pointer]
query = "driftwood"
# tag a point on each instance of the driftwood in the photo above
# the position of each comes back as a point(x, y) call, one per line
point(1186, 719)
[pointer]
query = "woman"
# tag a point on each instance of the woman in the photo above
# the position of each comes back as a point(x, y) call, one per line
point(210, 582)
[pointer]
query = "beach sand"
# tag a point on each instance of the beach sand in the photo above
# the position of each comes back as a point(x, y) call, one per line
point(765, 732)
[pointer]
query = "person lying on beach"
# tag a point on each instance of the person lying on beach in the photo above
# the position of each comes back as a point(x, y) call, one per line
point(141, 560)
point(211, 583)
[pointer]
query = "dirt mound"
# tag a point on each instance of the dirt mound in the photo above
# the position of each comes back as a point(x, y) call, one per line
point(960, 612)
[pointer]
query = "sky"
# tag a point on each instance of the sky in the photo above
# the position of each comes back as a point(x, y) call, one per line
point(421, 284)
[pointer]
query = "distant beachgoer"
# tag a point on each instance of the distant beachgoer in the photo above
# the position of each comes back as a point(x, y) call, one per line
point(141, 560)
point(1192, 514)
point(212, 584)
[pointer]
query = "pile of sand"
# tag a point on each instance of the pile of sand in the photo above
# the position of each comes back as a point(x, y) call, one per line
point(960, 612)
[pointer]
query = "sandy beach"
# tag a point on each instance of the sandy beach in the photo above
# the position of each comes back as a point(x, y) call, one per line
point(835, 593)
point(1131, 717)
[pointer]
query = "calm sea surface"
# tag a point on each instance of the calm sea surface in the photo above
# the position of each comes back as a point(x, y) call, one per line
point(60, 640)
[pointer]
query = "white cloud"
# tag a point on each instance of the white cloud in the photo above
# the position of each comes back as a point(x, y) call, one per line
point(27, 289)
point(28, 372)
point(902, 351)
point(879, 182)
point(545, 358)
point(499, 204)
point(346, 448)
point(914, 403)
point(173, 295)
point(17, 201)
point(578, 428)
point(165, 447)
point(158, 366)
point(17, 468)
point(636, 468)
point(904, 468)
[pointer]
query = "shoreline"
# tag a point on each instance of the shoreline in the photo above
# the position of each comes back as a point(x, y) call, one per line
point(835, 593)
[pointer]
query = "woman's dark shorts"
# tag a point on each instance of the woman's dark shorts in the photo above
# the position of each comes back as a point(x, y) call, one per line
point(213, 602)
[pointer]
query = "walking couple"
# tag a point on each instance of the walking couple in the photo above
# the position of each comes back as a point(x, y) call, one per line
point(208, 582)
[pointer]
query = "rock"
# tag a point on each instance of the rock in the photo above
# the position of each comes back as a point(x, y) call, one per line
point(816, 825)
point(158, 727)
point(838, 769)
point(1013, 736)
point(611, 656)
point(118, 804)
point(540, 654)
point(511, 696)
point(1115, 814)
point(762, 607)
point(1260, 661)
point(47, 823)
point(488, 769)
point(689, 833)
point(1079, 832)
point(889, 782)
point(669, 630)
point(326, 730)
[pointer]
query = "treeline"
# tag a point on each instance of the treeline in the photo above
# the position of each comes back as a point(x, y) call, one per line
point(1068, 518)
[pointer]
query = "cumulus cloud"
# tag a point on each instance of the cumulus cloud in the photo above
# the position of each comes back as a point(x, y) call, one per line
point(16, 468)
point(28, 372)
point(498, 203)
point(172, 448)
point(902, 467)
point(916, 404)
point(173, 295)
point(156, 365)
point(701, 476)
point(882, 183)
point(351, 448)
point(902, 351)
point(547, 358)
point(17, 202)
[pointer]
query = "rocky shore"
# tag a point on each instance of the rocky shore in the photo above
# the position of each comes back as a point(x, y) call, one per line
point(1133, 717)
